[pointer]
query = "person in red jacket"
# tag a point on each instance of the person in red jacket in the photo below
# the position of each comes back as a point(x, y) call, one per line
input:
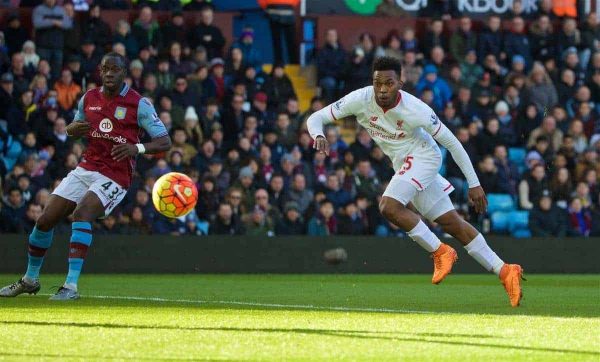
point(282, 20)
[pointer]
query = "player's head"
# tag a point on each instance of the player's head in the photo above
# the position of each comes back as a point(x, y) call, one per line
point(386, 80)
point(113, 70)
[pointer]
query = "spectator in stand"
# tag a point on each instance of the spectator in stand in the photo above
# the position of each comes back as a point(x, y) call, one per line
point(390, 46)
point(549, 130)
point(324, 222)
point(278, 87)
point(366, 180)
point(580, 219)
point(225, 223)
point(146, 31)
point(561, 187)
point(569, 36)
point(435, 35)
point(207, 34)
point(124, 36)
point(532, 187)
point(15, 34)
point(331, 60)
point(6, 93)
point(174, 30)
point(34, 211)
point(349, 221)
point(67, 90)
point(463, 39)
point(430, 80)
point(488, 176)
point(357, 73)
point(50, 23)
point(508, 174)
point(177, 64)
point(590, 37)
point(292, 222)
point(12, 212)
point(491, 39)
point(30, 57)
point(516, 42)
point(470, 70)
point(335, 193)
point(411, 70)
point(250, 53)
point(299, 194)
point(542, 39)
point(545, 219)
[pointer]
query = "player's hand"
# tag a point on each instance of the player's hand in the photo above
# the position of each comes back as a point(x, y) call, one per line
point(478, 199)
point(78, 129)
point(122, 151)
point(321, 145)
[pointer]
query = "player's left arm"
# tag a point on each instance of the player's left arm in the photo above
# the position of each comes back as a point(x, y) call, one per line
point(149, 121)
point(446, 138)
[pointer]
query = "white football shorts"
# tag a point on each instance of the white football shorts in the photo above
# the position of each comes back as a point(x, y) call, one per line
point(419, 182)
point(79, 181)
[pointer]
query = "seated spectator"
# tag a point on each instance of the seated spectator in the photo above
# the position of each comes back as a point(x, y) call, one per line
point(491, 39)
point(549, 130)
point(350, 222)
point(257, 224)
point(411, 70)
point(561, 187)
point(431, 80)
point(470, 70)
point(545, 219)
point(582, 192)
point(261, 201)
point(366, 180)
point(277, 192)
point(463, 39)
point(532, 187)
point(580, 219)
point(34, 211)
point(507, 130)
point(124, 36)
point(516, 41)
point(334, 193)
point(207, 34)
point(540, 90)
point(292, 222)
point(488, 175)
point(390, 46)
point(508, 174)
point(225, 223)
point(357, 73)
point(324, 222)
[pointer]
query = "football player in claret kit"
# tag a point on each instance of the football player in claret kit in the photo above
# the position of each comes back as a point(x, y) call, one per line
point(407, 129)
point(112, 119)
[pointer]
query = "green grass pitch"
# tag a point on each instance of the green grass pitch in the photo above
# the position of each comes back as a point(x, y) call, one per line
point(305, 318)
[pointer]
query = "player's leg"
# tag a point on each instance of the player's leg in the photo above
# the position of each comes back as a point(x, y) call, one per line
point(40, 241)
point(477, 247)
point(103, 195)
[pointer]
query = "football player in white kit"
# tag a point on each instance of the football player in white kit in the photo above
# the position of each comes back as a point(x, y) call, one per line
point(407, 129)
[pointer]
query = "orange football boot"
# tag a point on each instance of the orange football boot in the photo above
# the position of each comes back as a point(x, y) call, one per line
point(443, 260)
point(510, 276)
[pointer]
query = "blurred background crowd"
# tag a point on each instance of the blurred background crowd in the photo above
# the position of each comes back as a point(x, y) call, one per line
point(521, 93)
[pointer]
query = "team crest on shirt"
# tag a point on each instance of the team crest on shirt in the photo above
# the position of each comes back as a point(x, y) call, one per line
point(120, 113)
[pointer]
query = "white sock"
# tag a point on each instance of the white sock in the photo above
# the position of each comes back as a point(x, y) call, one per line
point(70, 286)
point(424, 237)
point(480, 251)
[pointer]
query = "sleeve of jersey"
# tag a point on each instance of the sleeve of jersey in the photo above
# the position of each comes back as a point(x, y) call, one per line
point(340, 109)
point(460, 156)
point(80, 114)
point(149, 121)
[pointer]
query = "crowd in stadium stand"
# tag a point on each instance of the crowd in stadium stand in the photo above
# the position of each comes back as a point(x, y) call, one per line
point(523, 97)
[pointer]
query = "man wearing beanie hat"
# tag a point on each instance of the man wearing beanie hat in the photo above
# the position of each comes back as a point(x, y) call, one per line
point(431, 80)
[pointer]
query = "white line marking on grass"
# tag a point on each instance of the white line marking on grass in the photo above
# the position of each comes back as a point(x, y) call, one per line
point(256, 304)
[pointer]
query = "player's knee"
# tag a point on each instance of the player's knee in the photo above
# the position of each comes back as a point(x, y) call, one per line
point(44, 223)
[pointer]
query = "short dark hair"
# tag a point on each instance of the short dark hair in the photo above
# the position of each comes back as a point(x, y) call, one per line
point(121, 58)
point(388, 63)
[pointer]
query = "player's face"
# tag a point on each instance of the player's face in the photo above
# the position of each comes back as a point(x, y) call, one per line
point(386, 84)
point(112, 71)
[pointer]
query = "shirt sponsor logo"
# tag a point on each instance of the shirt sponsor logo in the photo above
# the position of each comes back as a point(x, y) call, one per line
point(105, 125)
point(120, 112)
point(94, 108)
point(117, 139)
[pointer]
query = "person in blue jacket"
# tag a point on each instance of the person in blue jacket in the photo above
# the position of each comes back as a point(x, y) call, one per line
point(440, 88)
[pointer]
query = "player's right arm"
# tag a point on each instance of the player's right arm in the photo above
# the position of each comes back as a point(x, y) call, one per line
point(79, 127)
point(342, 108)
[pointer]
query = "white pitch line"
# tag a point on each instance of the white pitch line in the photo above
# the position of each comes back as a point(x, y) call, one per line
point(256, 304)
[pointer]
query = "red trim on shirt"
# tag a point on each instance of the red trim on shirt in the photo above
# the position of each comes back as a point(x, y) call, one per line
point(331, 111)
point(417, 182)
point(447, 187)
point(398, 99)
point(436, 132)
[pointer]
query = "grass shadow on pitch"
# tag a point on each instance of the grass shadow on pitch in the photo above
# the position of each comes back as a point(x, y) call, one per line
point(430, 338)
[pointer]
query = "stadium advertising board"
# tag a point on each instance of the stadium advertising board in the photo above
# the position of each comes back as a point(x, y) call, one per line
point(368, 7)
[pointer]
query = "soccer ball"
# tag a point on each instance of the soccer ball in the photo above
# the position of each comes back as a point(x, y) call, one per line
point(174, 194)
